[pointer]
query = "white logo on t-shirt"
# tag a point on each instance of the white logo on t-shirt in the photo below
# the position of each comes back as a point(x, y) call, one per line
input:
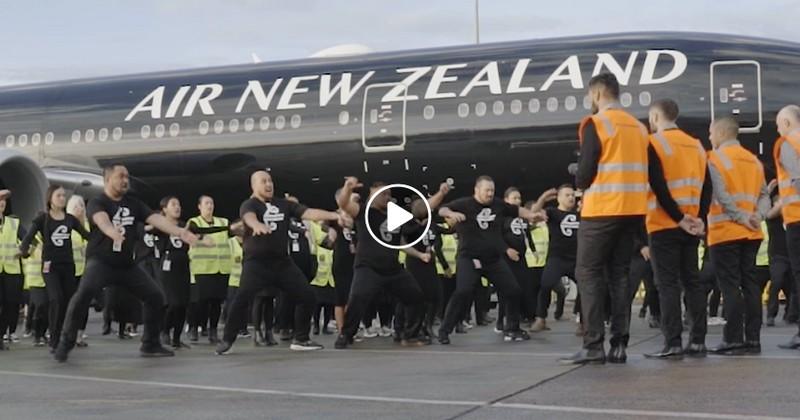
point(149, 240)
point(176, 241)
point(60, 235)
point(348, 234)
point(569, 224)
point(273, 216)
point(122, 218)
point(386, 235)
point(485, 217)
point(518, 226)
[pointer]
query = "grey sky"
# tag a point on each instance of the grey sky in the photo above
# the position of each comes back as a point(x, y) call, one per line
point(51, 39)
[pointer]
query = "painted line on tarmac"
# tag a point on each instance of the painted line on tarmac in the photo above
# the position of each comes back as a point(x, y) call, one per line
point(552, 355)
point(367, 398)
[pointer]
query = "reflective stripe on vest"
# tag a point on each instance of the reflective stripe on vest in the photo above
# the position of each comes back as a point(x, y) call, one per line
point(790, 197)
point(743, 176)
point(683, 161)
point(620, 186)
point(449, 251)
point(79, 251)
point(236, 262)
point(9, 246)
point(541, 240)
point(32, 267)
point(324, 277)
point(762, 258)
point(214, 258)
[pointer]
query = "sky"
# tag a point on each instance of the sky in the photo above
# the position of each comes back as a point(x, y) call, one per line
point(48, 40)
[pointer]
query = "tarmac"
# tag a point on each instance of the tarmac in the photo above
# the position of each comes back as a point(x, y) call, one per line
point(477, 377)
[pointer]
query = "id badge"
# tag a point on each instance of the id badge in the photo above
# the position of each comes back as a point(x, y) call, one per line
point(156, 253)
point(166, 265)
point(295, 246)
point(46, 267)
point(477, 263)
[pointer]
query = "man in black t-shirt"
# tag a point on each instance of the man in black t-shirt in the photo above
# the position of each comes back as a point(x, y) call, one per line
point(114, 217)
point(266, 261)
point(478, 221)
point(377, 267)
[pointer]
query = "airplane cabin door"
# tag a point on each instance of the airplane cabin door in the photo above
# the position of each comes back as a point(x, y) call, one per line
point(383, 132)
point(736, 91)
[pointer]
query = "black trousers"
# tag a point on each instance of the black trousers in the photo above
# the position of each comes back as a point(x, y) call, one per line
point(38, 311)
point(675, 266)
point(262, 313)
point(11, 298)
point(280, 273)
point(60, 285)
point(555, 268)
point(131, 279)
point(604, 257)
point(708, 276)
point(428, 281)
point(735, 264)
point(367, 283)
point(468, 278)
point(212, 289)
point(642, 271)
point(529, 290)
point(793, 246)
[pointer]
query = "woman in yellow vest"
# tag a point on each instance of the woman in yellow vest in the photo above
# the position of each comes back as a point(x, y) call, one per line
point(76, 207)
point(11, 279)
point(323, 280)
point(38, 302)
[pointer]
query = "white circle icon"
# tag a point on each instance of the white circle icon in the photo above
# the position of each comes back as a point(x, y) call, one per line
point(396, 216)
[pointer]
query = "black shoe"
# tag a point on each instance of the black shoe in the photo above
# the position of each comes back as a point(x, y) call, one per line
point(316, 329)
point(203, 332)
point(326, 331)
point(306, 345)
point(39, 342)
point(460, 328)
point(752, 347)
point(223, 347)
point(617, 355)
point(728, 349)
point(695, 350)
point(518, 335)
point(670, 353)
point(286, 335)
point(81, 344)
point(258, 339)
point(213, 338)
point(342, 342)
point(397, 337)
point(193, 337)
point(643, 312)
point(165, 338)
point(61, 353)
point(770, 322)
point(585, 357)
point(793, 344)
point(488, 319)
point(444, 338)
point(179, 345)
point(106, 329)
point(654, 322)
point(156, 351)
point(244, 333)
point(269, 339)
point(412, 342)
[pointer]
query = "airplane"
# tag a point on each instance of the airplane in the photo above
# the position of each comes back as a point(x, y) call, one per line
point(509, 110)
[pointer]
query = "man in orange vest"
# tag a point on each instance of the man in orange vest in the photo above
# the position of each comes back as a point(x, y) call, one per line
point(740, 202)
point(612, 172)
point(787, 164)
point(679, 199)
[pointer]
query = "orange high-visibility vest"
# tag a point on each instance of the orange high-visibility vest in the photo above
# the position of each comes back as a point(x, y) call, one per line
point(620, 187)
point(684, 162)
point(744, 177)
point(790, 197)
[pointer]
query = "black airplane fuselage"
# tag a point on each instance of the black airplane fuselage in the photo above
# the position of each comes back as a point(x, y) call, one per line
point(509, 110)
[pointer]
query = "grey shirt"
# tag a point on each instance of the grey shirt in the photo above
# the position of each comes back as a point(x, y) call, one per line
point(726, 199)
point(791, 162)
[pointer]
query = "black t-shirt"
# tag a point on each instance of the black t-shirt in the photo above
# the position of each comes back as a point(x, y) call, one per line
point(563, 228)
point(414, 229)
point(370, 253)
point(147, 247)
point(344, 248)
point(173, 249)
point(481, 236)
point(777, 237)
point(127, 214)
point(57, 237)
point(515, 233)
point(275, 214)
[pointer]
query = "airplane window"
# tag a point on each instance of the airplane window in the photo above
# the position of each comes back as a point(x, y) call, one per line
point(263, 123)
point(249, 124)
point(23, 140)
point(587, 102)
point(344, 118)
point(48, 138)
point(89, 135)
point(498, 107)
point(219, 126)
point(10, 141)
point(116, 134)
point(570, 103)
point(552, 104)
point(428, 112)
point(516, 106)
point(76, 136)
point(645, 98)
point(463, 110)
point(36, 138)
point(280, 122)
point(160, 129)
point(626, 99)
point(102, 135)
point(174, 129)
point(480, 109)
point(233, 125)
point(534, 105)
point(296, 121)
point(203, 128)
point(145, 132)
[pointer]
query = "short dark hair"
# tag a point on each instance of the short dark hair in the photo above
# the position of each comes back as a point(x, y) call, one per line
point(165, 202)
point(109, 169)
point(202, 196)
point(509, 191)
point(668, 107)
point(562, 186)
point(50, 191)
point(608, 81)
point(482, 178)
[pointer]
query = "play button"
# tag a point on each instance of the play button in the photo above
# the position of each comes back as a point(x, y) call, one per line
point(396, 217)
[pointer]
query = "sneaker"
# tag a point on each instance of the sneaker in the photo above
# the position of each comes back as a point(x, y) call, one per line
point(469, 325)
point(39, 342)
point(307, 345)
point(518, 335)
point(316, 330)
point(14, 338)
point(156, 351)
point(286, 335)
point(27, 334)
point(371, 332)
point(444, 338)
point(244, 334)
point(497, 330)
point(81, 344)
point(386, 332)
point(460, 329)
point(342, 342)
point(223, 348)
point(180, 345)
point(770, 322)
point(412, 342)
point(61, 353)
point(193, 336)
point(716, 321)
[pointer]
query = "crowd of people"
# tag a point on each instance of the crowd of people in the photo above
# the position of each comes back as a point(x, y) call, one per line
point(648, 205)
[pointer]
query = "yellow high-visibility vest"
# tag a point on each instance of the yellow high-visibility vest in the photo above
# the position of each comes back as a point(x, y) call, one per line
point(450, 252)
point(236, 262)
point(32, 267)
point(79, 250)
point(541, 239)
point(214, 258)
point(324, 277)
point(9, 246)
point(762, 258)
